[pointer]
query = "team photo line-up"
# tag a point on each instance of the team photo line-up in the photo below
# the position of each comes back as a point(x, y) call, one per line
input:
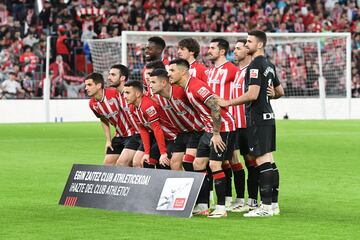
point(185, 116)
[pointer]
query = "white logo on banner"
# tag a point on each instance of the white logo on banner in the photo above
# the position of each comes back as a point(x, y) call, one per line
point(175, 194)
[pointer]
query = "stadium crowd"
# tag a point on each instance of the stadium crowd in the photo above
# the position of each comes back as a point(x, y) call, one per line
point(23, 33)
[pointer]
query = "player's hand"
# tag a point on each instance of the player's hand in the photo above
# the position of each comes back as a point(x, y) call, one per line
point(218, 143)
point(270, 91)
point(223, 102)
point(145, 158)
point(164, 160)
point(108, 145)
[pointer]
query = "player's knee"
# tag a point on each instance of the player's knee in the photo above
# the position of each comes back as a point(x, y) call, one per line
point(215, 166)
point(199, 164)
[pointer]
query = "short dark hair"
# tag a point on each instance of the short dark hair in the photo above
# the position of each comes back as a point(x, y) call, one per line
point(159, 72)
point(260, 35)
point(158, 41)
point(191, 44)
point(242, 40)
point(155, 64)
point(135, 84)
point(222, 44)
point(29, 74)
point(180, 62)
point(96, 77)
point(124, 70)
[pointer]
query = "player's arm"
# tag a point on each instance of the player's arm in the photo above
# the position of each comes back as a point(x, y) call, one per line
point(216, 139)
point(106, 127)
point(145, 137)
point(251, 95)
point(275, 90)
point(160, 140)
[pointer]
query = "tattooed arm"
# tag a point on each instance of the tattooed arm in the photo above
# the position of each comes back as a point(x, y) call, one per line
point(216, 139)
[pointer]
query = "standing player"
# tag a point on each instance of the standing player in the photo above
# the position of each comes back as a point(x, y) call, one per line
point(215, 142)
point(106, 105)
point(261, 121)
point(149, 67)
point(118, 76)
point(173, 100)
point(154, 51)
point(152, 120)
point(241, 142)
point(220, 79)
point(189, 50)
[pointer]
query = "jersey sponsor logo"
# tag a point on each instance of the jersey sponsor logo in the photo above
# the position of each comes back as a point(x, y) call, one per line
point(109, 115)
point(254, 73)
point(237, 85)
point(214, 81)
point(167, 106)
point(111, 101)
point(203, 91)
point(151, 111)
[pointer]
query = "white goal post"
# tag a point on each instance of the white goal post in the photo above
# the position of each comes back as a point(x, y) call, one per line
point(313, 66)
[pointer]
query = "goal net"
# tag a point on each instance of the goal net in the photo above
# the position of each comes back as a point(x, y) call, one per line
point(309, 65)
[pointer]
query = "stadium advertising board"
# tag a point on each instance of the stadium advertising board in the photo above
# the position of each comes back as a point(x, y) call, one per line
point(150, 191)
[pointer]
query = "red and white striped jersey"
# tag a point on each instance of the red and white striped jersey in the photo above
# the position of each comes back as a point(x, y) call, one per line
point(127, 109)
point(198, 93)
point(110, 109)
point(179, 110)
point(147, 88)
point(149, 111)
point(199, 71)
point(221, 78)
point(238, 90)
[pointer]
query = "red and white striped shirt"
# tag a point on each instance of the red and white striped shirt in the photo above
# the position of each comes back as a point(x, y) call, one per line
point(198, 93)
point(179, 110)
point(238, 90)
point(199, 71)
point(129, 113)
point(221, 78)
point(110, 109)
point(149, 111)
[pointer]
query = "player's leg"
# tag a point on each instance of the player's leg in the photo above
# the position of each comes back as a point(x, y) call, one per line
point(275, 192)
point(137, 160)
point(113, 154)
point(216, 160)
point(263, 137)
point(191, 150)
point(239, 180)
point(228, 176)
point(127, 155)
point(200, 163)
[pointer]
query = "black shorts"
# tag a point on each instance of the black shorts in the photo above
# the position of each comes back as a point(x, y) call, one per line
point(134, 142)
point(186, 140)
point(206, 149)
point(261, 139)
point(154, 149)
point(241, 141)
point(118, 144)
point(194, 140)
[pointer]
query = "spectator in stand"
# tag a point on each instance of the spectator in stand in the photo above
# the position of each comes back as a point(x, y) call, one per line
point(28, 85)
point(59, 68)
point(73, 88)
point(10, 87)
point(61, 44)
point(28, 60)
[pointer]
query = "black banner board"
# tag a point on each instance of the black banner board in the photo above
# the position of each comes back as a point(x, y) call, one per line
point(150, 191)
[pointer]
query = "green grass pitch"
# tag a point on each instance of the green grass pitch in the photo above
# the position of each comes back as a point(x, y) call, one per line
point(319, 163)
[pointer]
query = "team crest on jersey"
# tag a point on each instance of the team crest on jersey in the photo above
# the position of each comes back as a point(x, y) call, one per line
point(254, 73)
point(151, 111)
point(203, 91)
point(111, 101)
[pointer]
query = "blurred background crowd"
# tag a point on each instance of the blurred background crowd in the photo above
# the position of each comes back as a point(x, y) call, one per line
point(24, 25)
